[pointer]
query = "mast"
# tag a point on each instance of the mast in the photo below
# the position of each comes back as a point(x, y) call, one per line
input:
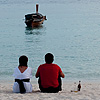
point(37, 8)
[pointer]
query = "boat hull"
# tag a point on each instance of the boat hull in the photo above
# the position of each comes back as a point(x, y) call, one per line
point(35, 23)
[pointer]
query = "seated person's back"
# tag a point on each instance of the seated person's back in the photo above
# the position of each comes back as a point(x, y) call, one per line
point(49, 74)
point(22, 75)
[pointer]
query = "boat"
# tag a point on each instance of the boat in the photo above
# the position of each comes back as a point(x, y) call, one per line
point(34, 19)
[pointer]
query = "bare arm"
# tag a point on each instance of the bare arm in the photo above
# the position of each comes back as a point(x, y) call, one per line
point(62, 75)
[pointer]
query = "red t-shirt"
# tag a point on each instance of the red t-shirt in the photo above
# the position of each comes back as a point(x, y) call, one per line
point(49, 75)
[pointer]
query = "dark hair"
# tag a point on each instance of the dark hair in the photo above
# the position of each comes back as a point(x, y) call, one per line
point(49, 58)
point(23, 60)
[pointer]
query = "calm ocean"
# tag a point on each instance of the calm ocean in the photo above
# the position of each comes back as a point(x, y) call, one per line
point(71, 32)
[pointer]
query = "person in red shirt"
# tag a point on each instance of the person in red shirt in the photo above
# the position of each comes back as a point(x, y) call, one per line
point(49, 75)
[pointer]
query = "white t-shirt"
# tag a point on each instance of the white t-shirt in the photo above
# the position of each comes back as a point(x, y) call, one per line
point(27, 74)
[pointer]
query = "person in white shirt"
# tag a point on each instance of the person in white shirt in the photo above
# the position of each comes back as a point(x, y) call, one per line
point(22, 75)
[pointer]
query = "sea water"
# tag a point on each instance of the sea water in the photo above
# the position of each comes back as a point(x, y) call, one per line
point(71, 32)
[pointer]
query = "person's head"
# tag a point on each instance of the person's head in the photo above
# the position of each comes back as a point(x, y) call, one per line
point(49, 58)
point(23, 60)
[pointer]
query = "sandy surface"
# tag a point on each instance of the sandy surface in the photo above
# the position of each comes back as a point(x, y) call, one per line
point(89, 91)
